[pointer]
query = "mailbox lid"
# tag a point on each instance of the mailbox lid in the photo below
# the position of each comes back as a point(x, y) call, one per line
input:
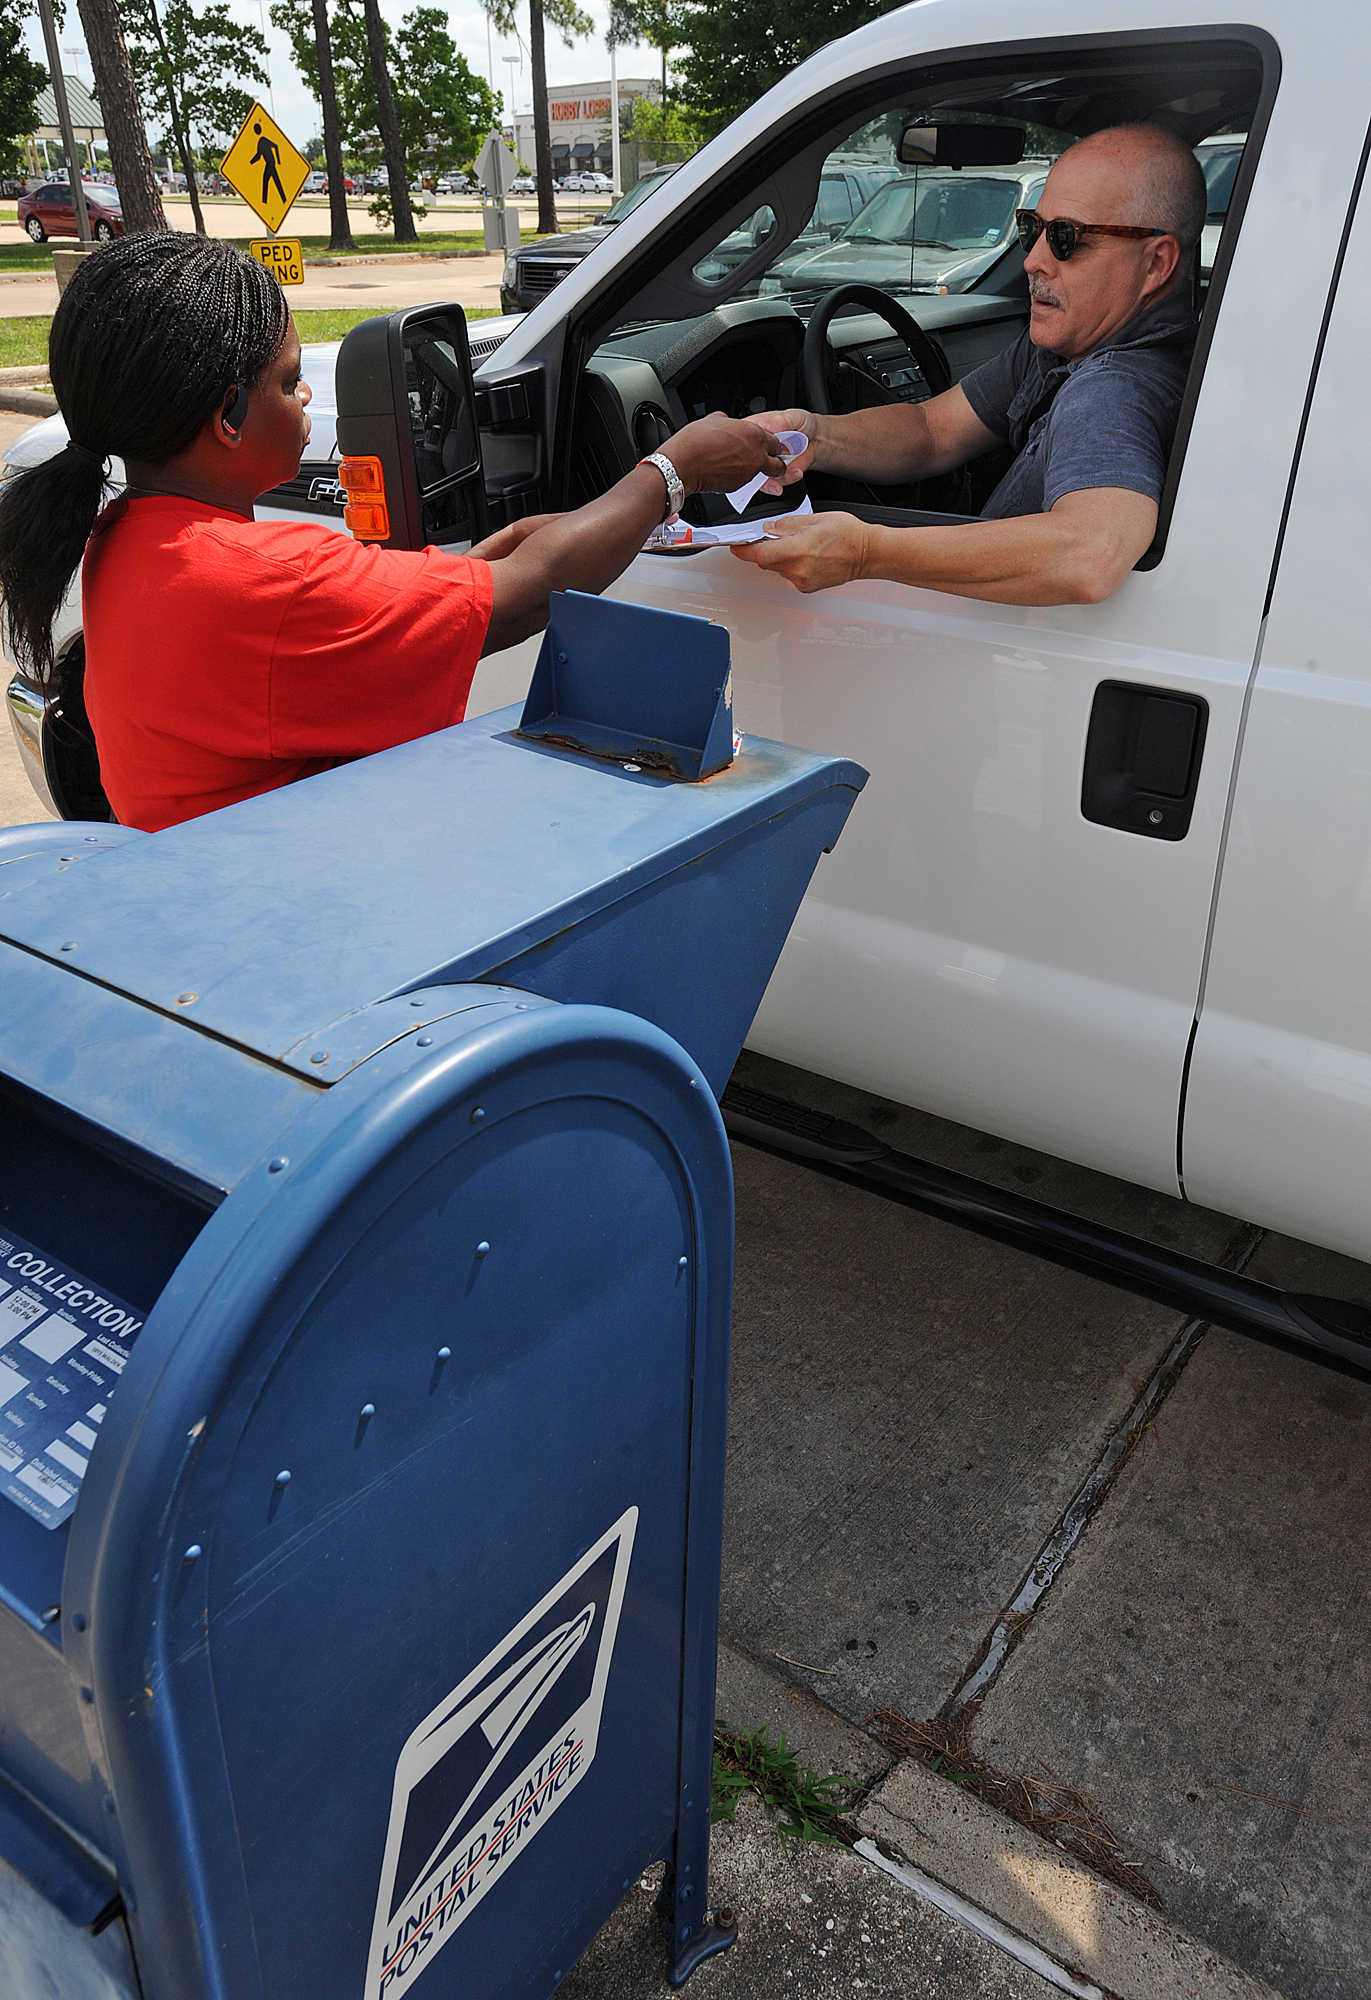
point(438, 861)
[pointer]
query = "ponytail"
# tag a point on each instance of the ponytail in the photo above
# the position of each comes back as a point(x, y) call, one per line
point(147, 338)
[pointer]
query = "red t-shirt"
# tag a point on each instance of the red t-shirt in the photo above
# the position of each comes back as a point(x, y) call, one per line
point(225, 657)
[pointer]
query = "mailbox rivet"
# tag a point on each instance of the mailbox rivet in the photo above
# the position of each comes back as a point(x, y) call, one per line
point(71, 946)
point(1155, 816)
point(184, 999)
point(78, 1622)
point(633, 767)
point(521, 1006)
point(193, 1553)
point(561, 659)
point(283, 1478)
point(445, 1354)
point(683, 1262)
point(86, 1695)
point(482, 1249)
point(416, 1003)
point(477, 1115)
point(279, 1164)
point(424, 1042)
point(320, 1055)
point(368, 1412)
point(52, 1614)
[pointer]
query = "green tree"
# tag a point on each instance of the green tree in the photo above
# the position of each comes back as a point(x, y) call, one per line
point(21, 79)
point(570, 22)
point(662, 24)
point(666, 131)
point(442, 110)
point(311, 41)
point(739, 48)
point(189, 61)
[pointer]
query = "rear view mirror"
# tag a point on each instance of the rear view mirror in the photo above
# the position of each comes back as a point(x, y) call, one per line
point(961, 145)
point(407, 431)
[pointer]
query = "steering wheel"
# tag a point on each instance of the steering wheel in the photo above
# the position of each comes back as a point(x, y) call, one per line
point(816, 348)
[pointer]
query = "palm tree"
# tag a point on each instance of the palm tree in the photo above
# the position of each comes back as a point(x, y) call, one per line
point(570, 22)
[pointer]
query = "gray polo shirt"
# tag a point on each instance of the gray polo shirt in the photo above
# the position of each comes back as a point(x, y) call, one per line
point(1110, 421)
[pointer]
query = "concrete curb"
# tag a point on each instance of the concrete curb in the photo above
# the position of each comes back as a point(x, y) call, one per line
point(1031, 1887)
point(10, 377)
point(27, 402)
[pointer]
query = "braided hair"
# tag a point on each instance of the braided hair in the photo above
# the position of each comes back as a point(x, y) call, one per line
point(149, 338)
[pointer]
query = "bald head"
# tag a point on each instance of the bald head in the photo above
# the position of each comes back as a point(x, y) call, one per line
point(1150, 177)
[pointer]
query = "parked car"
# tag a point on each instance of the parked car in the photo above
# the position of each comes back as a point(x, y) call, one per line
point(50, 211)
point(1036, 924)
point(934, 231)
point(524, 184)
point(845, 187)
point(315, 183)
point(350, 186)
point(530, 273)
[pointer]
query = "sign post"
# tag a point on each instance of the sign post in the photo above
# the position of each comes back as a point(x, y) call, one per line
point(496, 168)
point(268, 172)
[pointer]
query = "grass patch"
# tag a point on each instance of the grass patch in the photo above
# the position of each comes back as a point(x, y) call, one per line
point(35, 259)
point(24, 342)
point(803, 1805)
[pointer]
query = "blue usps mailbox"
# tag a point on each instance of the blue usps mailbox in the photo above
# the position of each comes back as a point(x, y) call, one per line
point(367, 1229)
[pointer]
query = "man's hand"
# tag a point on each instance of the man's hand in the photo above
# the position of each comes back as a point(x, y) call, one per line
point(718, 453)
point(791, 420)
point(812, 551)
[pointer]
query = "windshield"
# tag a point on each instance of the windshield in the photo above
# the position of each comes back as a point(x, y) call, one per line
point(630, 200)
point(964, 214)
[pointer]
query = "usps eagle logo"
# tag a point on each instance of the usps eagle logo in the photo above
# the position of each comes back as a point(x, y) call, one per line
point(485, 1771)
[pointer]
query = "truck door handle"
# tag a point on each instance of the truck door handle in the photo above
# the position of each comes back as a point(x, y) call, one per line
point(1142, 759)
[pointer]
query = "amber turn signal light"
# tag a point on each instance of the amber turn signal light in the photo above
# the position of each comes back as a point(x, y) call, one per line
point(366, 515)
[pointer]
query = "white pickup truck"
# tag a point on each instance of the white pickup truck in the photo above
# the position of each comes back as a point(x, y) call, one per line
point(1108, 891)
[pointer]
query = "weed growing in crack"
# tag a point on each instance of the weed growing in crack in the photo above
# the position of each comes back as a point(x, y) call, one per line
point(802, 1805)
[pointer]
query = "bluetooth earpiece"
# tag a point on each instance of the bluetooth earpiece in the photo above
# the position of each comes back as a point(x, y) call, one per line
point(235, 411)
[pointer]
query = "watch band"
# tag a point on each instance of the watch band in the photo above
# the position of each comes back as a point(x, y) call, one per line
point(675, 492)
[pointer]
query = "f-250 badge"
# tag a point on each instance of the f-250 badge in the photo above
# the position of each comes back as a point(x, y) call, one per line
point(483, 1773)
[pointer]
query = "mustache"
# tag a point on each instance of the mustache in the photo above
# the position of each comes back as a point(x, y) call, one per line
point(1038, 288)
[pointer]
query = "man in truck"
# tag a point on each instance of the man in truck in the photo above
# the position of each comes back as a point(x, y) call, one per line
point(1087, 398)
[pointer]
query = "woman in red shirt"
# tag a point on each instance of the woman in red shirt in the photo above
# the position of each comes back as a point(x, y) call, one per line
point(224, 655)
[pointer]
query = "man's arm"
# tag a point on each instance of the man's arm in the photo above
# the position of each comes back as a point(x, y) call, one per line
point(1079, 553)
point(894, 444)
point(588, 549)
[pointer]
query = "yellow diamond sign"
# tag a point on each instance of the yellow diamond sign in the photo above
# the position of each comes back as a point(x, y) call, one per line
point(264, 167)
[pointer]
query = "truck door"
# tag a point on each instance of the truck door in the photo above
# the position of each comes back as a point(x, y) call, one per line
point(980, 947)
point(1277, 1121)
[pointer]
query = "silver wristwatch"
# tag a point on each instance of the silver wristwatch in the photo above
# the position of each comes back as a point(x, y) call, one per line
point(675, 492)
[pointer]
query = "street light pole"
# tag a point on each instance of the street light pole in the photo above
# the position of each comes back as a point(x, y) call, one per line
point(59, 93)
point(614, 172)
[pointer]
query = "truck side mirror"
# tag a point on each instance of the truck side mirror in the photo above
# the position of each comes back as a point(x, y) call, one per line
point(407, 431)
point(961, 145)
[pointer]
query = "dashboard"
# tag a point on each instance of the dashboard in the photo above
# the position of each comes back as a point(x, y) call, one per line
point(646, 381)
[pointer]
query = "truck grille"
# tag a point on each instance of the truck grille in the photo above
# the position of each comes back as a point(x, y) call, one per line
point(314, 490)
point(538, 274)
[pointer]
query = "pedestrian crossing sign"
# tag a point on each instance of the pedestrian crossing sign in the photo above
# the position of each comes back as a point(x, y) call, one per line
point(264, 168)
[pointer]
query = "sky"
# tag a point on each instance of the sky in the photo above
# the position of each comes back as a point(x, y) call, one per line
point(297, 112)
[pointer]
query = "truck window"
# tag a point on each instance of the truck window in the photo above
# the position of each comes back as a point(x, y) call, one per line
point(940, 241)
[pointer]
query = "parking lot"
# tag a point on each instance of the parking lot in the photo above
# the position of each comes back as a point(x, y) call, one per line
point(1118, 1550)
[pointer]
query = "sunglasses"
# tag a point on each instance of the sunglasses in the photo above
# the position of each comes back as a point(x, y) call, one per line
point(1064, 236)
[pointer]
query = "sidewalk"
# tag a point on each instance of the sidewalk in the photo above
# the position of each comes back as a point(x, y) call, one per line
point(387, 283)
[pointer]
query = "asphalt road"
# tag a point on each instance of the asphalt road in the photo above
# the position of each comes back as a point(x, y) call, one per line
point(914, 1411)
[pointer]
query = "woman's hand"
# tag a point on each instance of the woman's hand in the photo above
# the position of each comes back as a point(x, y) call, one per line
point(506, 540)
point(812, 551)
point(718, 453)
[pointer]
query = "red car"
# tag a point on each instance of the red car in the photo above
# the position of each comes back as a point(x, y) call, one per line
point(49, 211)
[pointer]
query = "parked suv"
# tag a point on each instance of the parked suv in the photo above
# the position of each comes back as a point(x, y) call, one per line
point(532, 272)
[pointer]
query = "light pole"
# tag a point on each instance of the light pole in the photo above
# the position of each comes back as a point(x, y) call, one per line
point(614, 173)
point(59, 92)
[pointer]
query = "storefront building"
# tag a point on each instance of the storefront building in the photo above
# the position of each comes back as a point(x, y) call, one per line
point(578, 114)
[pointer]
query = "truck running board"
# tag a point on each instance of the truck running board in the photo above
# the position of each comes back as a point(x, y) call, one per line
point(1333, 1330)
